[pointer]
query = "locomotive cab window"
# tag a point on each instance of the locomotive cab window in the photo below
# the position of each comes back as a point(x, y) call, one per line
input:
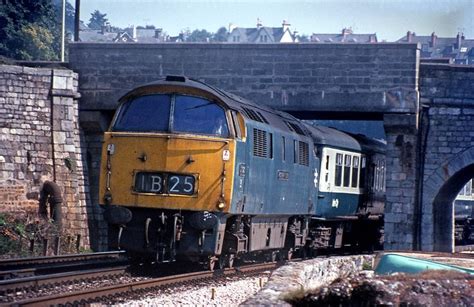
point(145, 113)
point(200, 116)
point(175, 113)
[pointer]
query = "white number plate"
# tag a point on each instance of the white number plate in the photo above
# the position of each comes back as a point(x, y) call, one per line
point(164, 183)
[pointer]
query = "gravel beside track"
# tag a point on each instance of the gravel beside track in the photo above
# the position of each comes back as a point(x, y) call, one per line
point(228, 291)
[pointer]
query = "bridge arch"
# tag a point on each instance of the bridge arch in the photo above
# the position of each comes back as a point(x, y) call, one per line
point(440, 190)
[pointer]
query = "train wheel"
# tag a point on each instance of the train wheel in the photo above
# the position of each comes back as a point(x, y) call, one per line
point(289, 254)
point(222, 261)
point(274, 256)
point(231, 260)
point(210, 264)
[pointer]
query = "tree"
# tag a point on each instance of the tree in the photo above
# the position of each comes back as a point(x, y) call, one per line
point(220, 35)
point(28, 30)
point(70, 13)
point(302, 38)
point(199, 36)
point(40, 40)
point(97, 20)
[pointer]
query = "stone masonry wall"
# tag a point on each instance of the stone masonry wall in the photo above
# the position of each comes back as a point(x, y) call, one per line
point(40, 136)
point(305, 276)
point(401, 181)
point(447, 91)
point(310, 77)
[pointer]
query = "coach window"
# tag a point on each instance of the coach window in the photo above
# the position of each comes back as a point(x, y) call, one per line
point(143, 114)
point(363, 172)
point(347, 170)
point(338, 172)
point(200, 116)
point(468, 189)
point(384, 171)
point(355, 171)
point(327, 169)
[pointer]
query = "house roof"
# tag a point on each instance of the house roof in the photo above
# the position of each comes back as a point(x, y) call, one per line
point(343, 38)
point(252, 35)
point(96, 36)
point(443, 47)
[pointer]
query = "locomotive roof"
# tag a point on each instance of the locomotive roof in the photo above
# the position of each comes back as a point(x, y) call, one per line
point(333, 137)
point(263, 113)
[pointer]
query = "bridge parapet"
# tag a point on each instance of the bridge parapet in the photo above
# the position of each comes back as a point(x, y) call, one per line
point(354, 78)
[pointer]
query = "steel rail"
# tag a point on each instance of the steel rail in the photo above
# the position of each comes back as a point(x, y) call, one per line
point(464, 248)
point(87, 296)
point(38, 281)
point(33, 261)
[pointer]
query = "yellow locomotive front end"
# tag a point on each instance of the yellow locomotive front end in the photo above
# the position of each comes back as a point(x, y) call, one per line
point(167, 172)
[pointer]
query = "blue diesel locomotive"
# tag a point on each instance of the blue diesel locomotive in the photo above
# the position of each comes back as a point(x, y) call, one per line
point(192, 172)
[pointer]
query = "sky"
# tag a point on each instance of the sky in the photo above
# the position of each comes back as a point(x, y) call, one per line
point(389, 19)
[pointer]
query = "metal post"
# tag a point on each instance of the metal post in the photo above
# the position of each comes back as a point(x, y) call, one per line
point(77, 20)
point(63, 29)
point(57, 245)
point(45, 247)
point(32, 246)
point(78, 242)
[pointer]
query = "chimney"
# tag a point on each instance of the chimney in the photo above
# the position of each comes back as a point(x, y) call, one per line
point(433, 39)
point(232, 27)
point(410, 36)
point(345, 32)
point(134, 33)
point(459, 39)
point(158, 32)
point(285, 25)
point(259, 23)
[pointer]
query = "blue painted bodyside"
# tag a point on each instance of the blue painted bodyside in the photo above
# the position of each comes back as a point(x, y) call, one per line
point(337, 204)
point(260, 189)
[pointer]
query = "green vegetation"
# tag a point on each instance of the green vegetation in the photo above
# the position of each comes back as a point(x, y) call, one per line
point(18, 232)
point(28, 30)
point(97, 20)
point(366, 266)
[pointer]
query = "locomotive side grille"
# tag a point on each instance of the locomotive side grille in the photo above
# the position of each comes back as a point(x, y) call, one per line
point(255, 115)
point(294, 128)
point(303, 154)
point(260, 144)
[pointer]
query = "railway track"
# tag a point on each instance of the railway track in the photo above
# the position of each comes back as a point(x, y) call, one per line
point(464, 248)
point(29, 267)
point(107, 293)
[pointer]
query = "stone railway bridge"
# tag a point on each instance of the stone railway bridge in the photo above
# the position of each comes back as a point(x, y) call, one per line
point(427, 112)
